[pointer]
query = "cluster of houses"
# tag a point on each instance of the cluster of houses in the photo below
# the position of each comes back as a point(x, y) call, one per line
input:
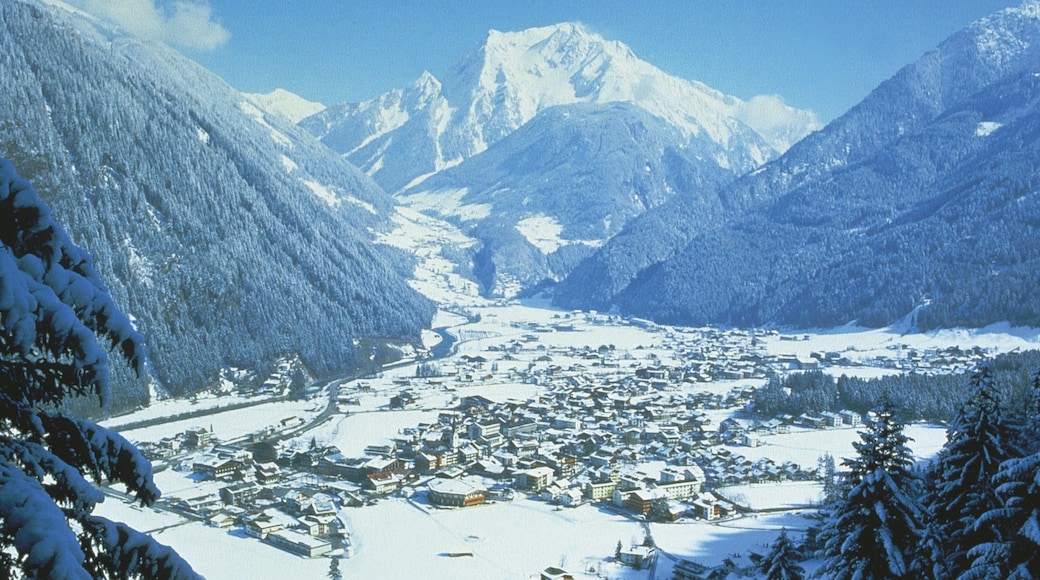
point(600, 417)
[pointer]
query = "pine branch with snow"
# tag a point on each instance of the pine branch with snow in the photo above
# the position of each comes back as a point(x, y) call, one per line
point(53, 311)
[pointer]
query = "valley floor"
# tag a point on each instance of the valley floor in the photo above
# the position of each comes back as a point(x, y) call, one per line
point(510, 352)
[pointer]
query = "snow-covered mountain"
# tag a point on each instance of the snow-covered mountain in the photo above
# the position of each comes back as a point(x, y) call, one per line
point(921, 199)
point(231, 236)
point(405, 135)
point(289, 105)
point(544, 143)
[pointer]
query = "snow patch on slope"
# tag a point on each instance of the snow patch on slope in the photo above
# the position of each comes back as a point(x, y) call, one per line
point(322, 192)
point(257, 115)
point(985, 128)
point(542, 231)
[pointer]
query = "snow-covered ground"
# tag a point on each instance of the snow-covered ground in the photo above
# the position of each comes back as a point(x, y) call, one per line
point(804, 447)
point(399, 538)
point(227, 425)
point(514, 540)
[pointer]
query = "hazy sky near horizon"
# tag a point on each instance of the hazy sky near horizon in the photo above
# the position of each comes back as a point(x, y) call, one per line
point(823, 55)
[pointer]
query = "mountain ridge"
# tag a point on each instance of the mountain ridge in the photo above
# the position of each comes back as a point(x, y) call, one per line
point(232, 237)
point(511, 77)
point(853, 222)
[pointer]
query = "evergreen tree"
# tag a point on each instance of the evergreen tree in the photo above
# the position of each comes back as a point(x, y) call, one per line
point(1015, 554)
point(334, 573)
point(875, 531)
point(833, 491)
point(53, 309)
point(963, 487)
point(660, 510)
point(782, 561)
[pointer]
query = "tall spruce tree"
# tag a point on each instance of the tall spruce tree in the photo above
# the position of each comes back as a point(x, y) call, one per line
point(1015, 554)
point(53, 309)
point(963, 486)
point(782, 561)
point(875, 532)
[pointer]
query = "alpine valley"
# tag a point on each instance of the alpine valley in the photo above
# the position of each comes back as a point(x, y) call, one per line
point(543, 144)
point(555, 314)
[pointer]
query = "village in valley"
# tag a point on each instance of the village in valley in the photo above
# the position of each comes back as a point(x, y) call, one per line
point(518, 441)
point(514, 408)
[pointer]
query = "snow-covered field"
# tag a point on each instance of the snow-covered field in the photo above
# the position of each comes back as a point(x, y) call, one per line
point(399, 539)
point(804, 447)
point(228, 425)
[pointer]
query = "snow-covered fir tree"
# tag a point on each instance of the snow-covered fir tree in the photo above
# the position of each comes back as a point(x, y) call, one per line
point(782, 561)
point(876, 530)
point(53, 309)
point(1016, 553)
point(963, 487)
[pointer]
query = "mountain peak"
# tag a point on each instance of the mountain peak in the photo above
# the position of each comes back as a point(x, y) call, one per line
point(513, 76)
point(287, 104)
point(1004, 38)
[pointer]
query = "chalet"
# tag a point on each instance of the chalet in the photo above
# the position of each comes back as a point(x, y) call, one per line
point(262, 526)
point(811, 421)
point(201, 504)
point(216, 468)
point(637, 556)
point(572, 497)
point(637, 501)
point(403, 400)
point(317, 525)
point(852, 419)
point(710, 508)
point(467, 454)
point(600, 491)
point(534, 479)
point(239, 494)
point(552, 492)
point(456, 493)
point(554, 573)
point(197, 438)
point(297, 543)
point(833, 419)
point(426, 463)
point(221, 520)
point(385, 482)
point(267, 473)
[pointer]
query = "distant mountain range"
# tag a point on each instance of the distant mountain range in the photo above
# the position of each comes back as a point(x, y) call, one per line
point(920, 202)
point(231, 236)
point(545, 142)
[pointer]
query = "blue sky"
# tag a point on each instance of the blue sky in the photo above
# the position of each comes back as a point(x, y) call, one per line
point(823, 55)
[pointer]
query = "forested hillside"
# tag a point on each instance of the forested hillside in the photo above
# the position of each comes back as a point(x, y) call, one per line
point(230, 238)
point(920, 201)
